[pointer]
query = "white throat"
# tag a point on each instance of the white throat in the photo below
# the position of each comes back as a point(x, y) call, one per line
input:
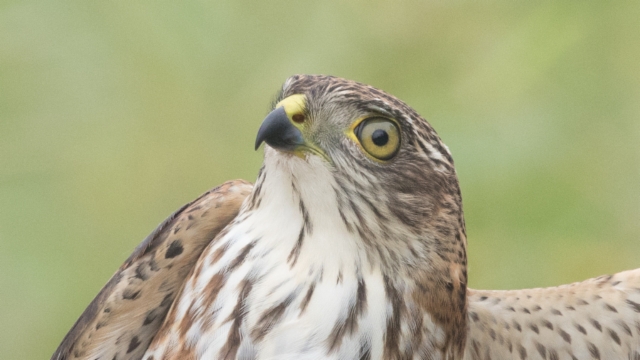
point(302, 222)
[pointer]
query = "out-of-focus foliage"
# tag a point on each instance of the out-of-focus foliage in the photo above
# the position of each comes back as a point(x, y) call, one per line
point(114, 113)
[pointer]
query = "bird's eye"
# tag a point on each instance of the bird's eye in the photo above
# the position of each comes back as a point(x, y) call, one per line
point(379, 137)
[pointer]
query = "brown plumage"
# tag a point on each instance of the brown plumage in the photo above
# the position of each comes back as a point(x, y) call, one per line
point(351, 245)
point(123, 318)
point(594, 319)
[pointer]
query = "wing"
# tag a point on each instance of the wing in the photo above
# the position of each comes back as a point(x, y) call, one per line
point(125, 315)
point(595, 319)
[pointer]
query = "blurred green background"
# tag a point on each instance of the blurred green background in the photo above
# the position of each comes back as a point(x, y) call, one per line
point(114, 113)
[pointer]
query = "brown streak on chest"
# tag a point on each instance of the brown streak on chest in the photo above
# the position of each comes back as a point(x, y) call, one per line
point(393, 331)
point(269, 318)
point(349, 325)
point(230, 348)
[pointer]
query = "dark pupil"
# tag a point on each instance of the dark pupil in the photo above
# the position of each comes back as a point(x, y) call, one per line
point(380, 137)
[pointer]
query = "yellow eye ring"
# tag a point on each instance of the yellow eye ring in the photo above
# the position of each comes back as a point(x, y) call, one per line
point(379, 137)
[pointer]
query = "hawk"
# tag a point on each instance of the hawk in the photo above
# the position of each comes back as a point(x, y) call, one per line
point(350, 245)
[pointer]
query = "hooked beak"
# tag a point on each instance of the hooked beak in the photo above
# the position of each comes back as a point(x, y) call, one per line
point(278, 131)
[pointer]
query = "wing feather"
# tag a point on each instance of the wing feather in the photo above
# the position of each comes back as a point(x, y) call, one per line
point(595, 319)
point(125, 315)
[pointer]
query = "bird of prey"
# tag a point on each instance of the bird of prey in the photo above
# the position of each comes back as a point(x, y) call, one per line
point(350, 245)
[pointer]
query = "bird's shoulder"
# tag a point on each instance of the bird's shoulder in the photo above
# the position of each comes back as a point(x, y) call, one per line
point(125, 315)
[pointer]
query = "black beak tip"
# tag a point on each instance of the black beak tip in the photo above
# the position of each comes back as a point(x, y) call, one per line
point(278, 131)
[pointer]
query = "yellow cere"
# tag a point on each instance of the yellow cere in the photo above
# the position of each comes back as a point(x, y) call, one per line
point(294, 104)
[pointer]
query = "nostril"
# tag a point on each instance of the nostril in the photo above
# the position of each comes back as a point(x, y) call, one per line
point(298, 118)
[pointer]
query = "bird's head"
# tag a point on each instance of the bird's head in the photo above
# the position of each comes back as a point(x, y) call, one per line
point(392, 178)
